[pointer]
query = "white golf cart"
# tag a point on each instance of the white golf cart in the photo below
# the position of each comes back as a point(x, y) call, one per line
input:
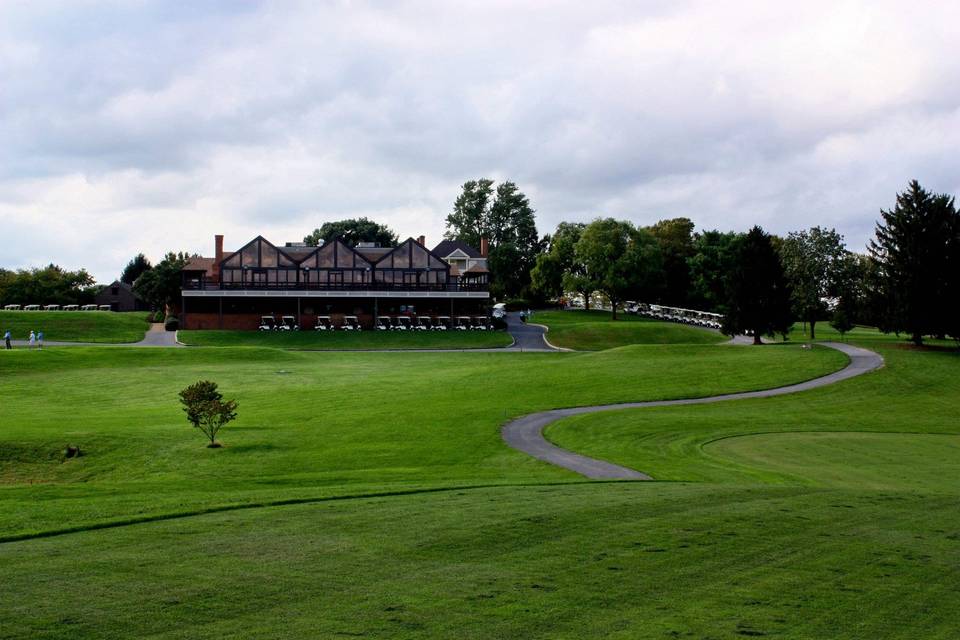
point(402, 323)
point(324, 324)
point(350, 323)
point(267, 323)
point(288, 323)
point(383, 323)
point(442, 323)
point(463, 323)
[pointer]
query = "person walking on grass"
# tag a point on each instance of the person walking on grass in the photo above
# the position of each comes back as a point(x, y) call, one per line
point(40, 339)
point(6, 340)
point(32, 340)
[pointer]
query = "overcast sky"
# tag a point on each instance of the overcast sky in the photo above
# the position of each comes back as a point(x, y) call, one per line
point(150, 126)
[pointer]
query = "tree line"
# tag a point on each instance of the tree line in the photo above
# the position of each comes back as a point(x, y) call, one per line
point(908, 281)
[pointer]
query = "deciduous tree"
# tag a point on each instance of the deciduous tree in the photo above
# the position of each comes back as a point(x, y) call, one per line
point(352, 232)
point(160, 286)
point(558, 261)
point(620, 260)
point(206, 409)
point(814, 262)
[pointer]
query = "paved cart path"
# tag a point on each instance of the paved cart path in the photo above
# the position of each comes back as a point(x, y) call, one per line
point(526, 433)
point(155, 336)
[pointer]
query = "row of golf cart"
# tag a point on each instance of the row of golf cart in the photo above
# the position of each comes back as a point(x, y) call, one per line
point(56, 307)
point(437, 323)
point(674, 314)
point(384, 323)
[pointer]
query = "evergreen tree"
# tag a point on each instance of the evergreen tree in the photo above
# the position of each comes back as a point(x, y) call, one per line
point(915, 251)
point(160, 286)
point(135, 268)
point(757, 294)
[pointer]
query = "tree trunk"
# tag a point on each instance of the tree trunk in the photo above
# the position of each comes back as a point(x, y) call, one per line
point(586, 301)
point(613, 305)
point(756, 338)
point(813, 334)
point(917, 339)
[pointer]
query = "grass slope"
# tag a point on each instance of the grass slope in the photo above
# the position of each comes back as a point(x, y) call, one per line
point(621, 561)
point(76, 326)
point(595, 331)
point(349, 340)
point(827, 514)
point(812, 438)
point(313, 424)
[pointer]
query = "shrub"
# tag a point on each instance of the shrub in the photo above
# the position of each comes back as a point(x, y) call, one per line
point(499, 324)
point(171, 323)
point(159, 316)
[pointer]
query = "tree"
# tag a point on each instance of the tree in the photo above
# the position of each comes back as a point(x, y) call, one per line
point(508, 222)
point(160, 286)
point(713, 255)
point(841, 321)
point(915, 251)
point(620, 260)
point(675, 237)
point(48, 285)
point(206, 409)
point(814, 263)
point(352, 232)
point(758, 297)
point(135, 268)
point(470, 219)
point(559, 261)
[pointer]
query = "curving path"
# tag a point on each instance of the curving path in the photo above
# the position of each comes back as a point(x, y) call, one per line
point(526, 433)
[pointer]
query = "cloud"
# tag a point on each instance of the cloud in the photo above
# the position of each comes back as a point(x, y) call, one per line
point(150, 126)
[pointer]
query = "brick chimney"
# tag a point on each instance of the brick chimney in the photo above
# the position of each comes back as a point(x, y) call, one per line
point(422, 240)
point(218, 256)
point(484, 247)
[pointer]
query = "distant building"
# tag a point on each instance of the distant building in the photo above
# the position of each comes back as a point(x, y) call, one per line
point(232, 290)
point(121, 297)
point(466, 263)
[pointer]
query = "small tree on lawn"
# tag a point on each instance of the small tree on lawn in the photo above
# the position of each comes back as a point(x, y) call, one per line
point(841, 322)
point(206, 409)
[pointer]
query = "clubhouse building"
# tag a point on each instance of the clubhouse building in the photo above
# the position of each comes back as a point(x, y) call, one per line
point(233, 290)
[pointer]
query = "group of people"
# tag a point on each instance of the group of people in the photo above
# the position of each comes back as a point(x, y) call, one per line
point(35, 340)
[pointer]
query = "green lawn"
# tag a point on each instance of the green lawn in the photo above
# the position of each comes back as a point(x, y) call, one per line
point(349, 340)
point(76, 326)
point(828, 514)
point(595, 331)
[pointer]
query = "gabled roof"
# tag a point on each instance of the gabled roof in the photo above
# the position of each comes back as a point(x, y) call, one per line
point(447, 247)
point(406, 244)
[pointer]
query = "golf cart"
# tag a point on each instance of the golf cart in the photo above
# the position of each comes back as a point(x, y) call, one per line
point(463, 323)
point(350, 323)
point(481, 323)
point(267, 323)
point(442, 323)
point(500, 310)
point(324, 324)
point(288, 323)
point(383, 323)
point(402, 323)
point(424, 323)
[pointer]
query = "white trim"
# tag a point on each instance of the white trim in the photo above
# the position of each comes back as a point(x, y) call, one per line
point(285, 293)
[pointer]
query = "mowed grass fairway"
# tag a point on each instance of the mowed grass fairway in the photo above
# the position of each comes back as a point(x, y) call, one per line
point(76, 326)
point(369, 495)
point(595, 330)
point(314, 340)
